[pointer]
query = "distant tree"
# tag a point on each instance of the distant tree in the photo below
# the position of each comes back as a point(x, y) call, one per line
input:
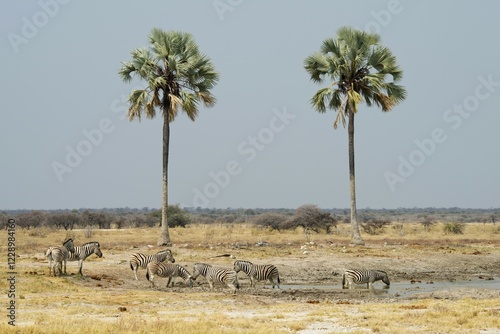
point(178, 217)
point(101, 219)
point(66, 220)
point(270, 220)
point(312, 218)
point(179, 77)
point(31, 219)
point(250, 212)
point(360, 69)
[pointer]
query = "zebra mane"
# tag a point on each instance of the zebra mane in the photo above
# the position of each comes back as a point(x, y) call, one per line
point(244, 262)
point(91, 243)
point(67, 240)
point(164, 251)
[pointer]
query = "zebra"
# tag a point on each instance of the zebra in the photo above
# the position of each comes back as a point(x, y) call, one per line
point(141, 260)
point(82, 252)
point(170, 270)
point(258, 272)
point(363, 276)
point(59, 255)
point(215, 274)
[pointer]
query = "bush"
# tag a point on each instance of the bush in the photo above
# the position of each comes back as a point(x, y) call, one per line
point(176, 216)
point(273, 221)
point(311, 218)
point(454, 228)
point(428, 222)
point(374, 226)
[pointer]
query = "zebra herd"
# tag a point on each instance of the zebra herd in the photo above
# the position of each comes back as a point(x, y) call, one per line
point(162, 264)
point(155, 266)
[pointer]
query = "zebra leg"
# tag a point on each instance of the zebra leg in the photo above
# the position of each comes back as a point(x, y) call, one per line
point(80, 265)
point(252, 281)
point(64, 261)
point(135, 272)
point(168, 283)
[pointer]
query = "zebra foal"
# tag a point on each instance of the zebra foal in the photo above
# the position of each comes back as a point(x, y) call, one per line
point(215, 274)
point(258, 272)
point(367, 277)
point(84, 251)
point(170, 270)
point(59, 255)
point(139, 260)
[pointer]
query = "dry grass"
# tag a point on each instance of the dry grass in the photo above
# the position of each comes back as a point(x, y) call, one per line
point(79, 305)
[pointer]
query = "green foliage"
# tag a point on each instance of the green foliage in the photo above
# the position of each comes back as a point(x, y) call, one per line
point(454, 228)
point(359, 69)
point(176, 216)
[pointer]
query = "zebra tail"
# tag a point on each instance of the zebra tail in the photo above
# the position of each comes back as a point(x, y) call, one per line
point(279, 282)
point(147, 275)
point(343, 281)
point(131, 267)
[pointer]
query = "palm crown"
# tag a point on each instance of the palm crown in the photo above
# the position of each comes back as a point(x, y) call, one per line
point(178, 76)
point(360, 69)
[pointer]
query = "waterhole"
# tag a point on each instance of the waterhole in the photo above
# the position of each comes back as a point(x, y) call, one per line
point(405, 289)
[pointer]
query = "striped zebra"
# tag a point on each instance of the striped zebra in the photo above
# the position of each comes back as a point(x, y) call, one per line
point(139, 260)
point(358, 276)
point(215, 274)
point(258, 272)
point(58, 255)
point(84, 251)
point(170, 270)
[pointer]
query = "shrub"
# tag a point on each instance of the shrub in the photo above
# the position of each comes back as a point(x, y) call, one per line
point(454, 228)
point(176, 216)
point(428, 222)
point(374, 226)
point(311, 218)
point(273, 221)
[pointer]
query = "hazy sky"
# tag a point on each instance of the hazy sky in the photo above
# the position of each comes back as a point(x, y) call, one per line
point(65, 142)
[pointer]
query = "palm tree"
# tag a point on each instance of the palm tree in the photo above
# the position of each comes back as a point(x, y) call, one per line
point(359, 70)
point(178, 77)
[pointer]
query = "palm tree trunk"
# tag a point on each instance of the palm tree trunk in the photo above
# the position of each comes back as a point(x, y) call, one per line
point(164, 239)
point(356, 236)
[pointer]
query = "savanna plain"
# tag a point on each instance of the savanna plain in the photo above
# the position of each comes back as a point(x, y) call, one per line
point(107, 298)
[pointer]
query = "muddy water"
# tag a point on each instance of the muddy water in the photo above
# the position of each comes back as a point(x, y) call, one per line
point(406, 289)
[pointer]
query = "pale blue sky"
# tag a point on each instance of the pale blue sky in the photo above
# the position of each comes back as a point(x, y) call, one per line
point(60, 83)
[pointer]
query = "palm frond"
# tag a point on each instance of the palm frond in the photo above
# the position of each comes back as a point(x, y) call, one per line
point(318, 101)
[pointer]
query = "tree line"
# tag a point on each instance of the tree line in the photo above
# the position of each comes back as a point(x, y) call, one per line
point(308, 217)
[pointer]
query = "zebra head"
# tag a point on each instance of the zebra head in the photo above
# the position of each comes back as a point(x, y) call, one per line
point(97, 248)
point(165, 254)
point(242, 265)
point(200, 269)
point(385, 278)
point(68, 244)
